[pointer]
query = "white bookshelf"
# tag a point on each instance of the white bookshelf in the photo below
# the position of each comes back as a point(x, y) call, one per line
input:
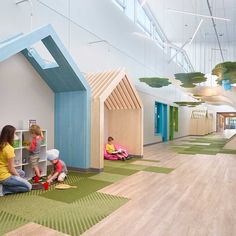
point(22, 154)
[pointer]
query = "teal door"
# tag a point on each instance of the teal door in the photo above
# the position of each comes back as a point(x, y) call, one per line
point(161, 122)
point(165, 124)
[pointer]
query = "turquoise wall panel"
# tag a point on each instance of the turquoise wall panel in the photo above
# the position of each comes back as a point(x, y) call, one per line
point(165, 124)
point(158, 118)
point(72, 127)
point(161, 120)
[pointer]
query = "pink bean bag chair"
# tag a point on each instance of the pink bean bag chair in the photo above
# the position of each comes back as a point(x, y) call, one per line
point(108, 156)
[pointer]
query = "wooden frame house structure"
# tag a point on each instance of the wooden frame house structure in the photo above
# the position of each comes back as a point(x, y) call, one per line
point(117, 111)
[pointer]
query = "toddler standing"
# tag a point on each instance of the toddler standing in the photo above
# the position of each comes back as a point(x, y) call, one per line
point(34, 148)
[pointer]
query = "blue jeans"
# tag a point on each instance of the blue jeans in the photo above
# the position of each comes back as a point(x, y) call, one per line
point(15, 184)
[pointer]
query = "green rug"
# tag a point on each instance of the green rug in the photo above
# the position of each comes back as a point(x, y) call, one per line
point(216, 145)
point(120, 171)
point(85, 186)
point(108, 177)
point(79, 216)
point(30, 207)
point(9, 222)
point(74, 210)
point(159, 169)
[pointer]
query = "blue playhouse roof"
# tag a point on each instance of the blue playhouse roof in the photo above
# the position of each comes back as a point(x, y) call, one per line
point(62, 75)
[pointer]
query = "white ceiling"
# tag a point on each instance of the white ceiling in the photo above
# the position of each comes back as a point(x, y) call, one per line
point(179, 27)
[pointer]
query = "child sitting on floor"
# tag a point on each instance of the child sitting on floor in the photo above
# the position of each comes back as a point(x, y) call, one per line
point(59, 171)
point(111, 149)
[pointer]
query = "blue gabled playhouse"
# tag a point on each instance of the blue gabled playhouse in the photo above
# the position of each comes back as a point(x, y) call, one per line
point(72, 92)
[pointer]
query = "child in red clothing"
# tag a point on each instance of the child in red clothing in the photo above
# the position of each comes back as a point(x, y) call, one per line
point(59, 167)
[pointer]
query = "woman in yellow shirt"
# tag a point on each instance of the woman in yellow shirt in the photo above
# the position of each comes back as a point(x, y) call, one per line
point(10, 180)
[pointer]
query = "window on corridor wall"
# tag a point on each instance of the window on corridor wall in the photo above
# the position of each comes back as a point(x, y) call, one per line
point(121, 4)
point(143, 17)
point(143, 20)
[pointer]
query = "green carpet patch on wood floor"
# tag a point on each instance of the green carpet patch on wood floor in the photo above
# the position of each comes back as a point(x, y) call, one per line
point(194, 147)
point(120, 171)
point(85, 186)
point(74, 210)
point(156, 169)
point(30, 207)
point(9, 222)
point(108, 177)
point(79, 216)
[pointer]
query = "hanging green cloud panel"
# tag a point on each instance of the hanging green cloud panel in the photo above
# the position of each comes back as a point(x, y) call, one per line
point(189, 80)
point(225, 71)
point(189, 104)
point(155, 82)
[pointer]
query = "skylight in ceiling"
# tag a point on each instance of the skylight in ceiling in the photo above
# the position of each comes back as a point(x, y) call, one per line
point(41, 54)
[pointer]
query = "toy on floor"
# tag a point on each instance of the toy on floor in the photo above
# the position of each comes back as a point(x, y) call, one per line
point(64, 186)
point(42, 185)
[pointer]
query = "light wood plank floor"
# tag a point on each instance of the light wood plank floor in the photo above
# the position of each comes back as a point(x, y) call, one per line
point(197, 198)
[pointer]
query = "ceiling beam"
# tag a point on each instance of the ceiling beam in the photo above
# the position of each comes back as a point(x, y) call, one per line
point(214, 26)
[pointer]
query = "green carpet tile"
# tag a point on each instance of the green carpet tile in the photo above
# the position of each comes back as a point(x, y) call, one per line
point(25, 195)
point(215, 146)
point(109, 177)
point(135, 167)
point(159, 169)
point(74, 210)
point(9, 222)
point(81, 174)
point(115, 163)
point(79, 216)
point(85, 186)
point(31, 207)
point(228, 151)
point(121, 171)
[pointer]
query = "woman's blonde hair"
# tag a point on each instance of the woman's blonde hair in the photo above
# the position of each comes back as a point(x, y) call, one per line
point(35, 129)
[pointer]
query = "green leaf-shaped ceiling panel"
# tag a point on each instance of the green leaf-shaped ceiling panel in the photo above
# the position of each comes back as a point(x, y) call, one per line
point(189, 104)
point(189, 80)
point(225, 71)
point(155, 82)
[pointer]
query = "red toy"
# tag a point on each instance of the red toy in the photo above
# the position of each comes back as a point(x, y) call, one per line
point(45, 185)
point(36, 179)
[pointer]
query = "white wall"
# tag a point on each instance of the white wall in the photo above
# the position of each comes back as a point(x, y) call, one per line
point(91, 21)
point(78, 23)
point(205, 56)
point(149, 123)
point(24, 95)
